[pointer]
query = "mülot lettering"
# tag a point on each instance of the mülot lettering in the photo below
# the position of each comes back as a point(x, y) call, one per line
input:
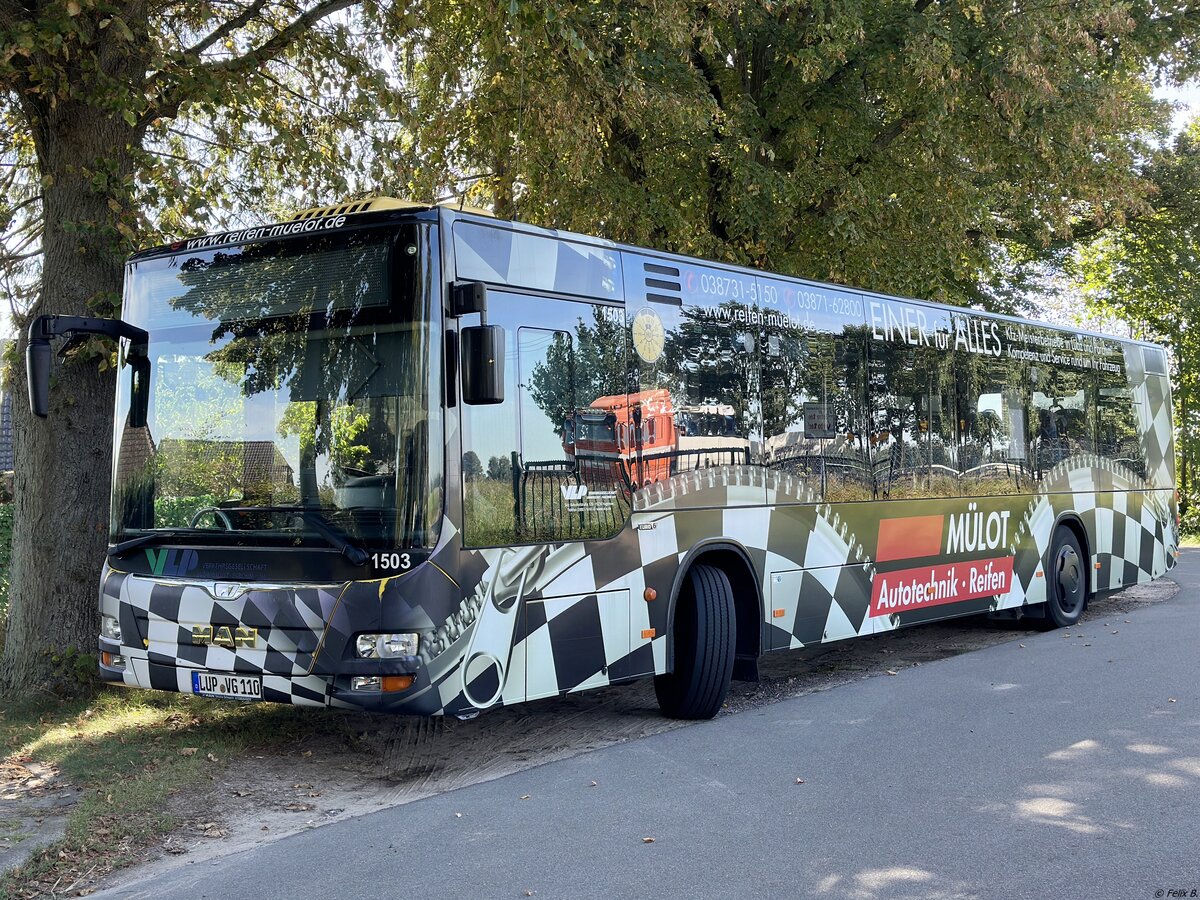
point(976, 530)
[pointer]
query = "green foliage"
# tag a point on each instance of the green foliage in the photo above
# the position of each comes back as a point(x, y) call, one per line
point(177, 512)
point(472, 468)
point(1148, 274)
point(921, 148)
point(499, 468)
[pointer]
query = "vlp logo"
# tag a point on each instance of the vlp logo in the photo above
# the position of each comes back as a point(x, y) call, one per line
point(574, 491)
point(172, 562)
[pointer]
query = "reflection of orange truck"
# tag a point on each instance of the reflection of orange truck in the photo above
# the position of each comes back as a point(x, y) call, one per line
point(650, 438)
point(624, 429)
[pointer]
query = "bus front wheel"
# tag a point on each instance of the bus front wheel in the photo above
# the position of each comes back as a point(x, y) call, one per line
point(705, 638)
point(1066, 580)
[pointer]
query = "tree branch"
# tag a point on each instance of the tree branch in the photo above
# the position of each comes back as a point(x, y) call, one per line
point(226, 29)
point(280, 41)
point(168, 103)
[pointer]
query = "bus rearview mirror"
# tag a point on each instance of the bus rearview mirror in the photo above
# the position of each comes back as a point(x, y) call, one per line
point(482, 364)
point(38, 356)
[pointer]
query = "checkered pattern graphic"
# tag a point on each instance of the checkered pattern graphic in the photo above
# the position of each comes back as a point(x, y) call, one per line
point(292, 625)
point(1136, 539)
point(550, 619)
point(536, 258)
point(543, 620)
point(1152, 403)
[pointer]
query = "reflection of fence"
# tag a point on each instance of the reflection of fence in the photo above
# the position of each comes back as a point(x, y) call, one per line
point(823, 470)
point(690, 458)
point(570, 500)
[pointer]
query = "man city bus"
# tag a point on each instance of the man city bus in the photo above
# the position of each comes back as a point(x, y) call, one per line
point(351, 465)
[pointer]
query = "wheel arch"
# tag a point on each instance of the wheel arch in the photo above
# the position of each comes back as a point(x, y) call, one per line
point(1074, 523)
point(734, 560)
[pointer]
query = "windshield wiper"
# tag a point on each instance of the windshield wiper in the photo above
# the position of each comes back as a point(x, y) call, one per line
point(334, 536)
point(158, 534)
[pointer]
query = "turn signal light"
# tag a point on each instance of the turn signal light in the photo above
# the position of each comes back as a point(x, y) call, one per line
point(397, 682)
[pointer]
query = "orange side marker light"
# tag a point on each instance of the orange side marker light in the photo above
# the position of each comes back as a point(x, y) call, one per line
point(648, 633)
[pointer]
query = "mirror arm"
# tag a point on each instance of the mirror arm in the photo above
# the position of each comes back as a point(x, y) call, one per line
point(43, 329)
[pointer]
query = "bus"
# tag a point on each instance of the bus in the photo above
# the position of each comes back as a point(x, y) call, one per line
point(396, 457)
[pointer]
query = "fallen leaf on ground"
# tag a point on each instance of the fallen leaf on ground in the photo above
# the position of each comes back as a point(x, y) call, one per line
point(211, 758)
point(593, 784)
point(799, 781)
point(891, 672)
point(647, 840)
point(298, 807)
point(524, 796)
point(188, 751)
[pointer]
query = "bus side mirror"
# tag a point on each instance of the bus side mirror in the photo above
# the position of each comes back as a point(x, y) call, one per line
point(482, 364)
point(37, 369)
point(38, 354)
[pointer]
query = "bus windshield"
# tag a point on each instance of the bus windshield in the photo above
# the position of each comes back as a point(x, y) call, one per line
point(288, 396)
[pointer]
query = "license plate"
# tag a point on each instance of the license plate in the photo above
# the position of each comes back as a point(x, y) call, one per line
point(228, 687)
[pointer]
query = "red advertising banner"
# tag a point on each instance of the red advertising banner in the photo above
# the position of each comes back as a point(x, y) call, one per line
point(909, 537)
point(907, 589)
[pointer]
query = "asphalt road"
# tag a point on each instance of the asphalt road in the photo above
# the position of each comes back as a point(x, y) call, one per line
point(1051, 766)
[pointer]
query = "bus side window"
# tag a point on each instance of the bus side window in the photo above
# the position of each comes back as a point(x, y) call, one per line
point(992, 433)
point(1117, 437)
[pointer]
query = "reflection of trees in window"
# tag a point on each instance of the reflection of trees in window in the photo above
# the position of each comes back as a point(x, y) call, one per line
point(300, 351)
point(992, 433)
point(915, 423)
point(812, 403)
point(708, 358)
point(1061, 414)
point(549, 488)
point(1117, 433)
point(594, 367)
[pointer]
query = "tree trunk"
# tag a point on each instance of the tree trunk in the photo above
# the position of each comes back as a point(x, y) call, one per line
point(63, 463)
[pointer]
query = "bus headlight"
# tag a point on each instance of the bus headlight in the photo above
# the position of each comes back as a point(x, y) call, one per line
point(386, 646)
point(110, 628)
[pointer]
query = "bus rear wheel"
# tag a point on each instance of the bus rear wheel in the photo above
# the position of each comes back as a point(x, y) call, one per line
point(705, 638)
point(1066, 581)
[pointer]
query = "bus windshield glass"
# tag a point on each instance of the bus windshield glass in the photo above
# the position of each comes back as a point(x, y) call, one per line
point(288, 396)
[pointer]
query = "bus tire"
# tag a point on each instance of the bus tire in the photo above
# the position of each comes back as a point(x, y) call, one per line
point(705, 636)
point(1066, 581)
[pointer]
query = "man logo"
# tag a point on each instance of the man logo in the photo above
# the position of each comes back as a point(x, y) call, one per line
point(574, 491)
point(224, 636)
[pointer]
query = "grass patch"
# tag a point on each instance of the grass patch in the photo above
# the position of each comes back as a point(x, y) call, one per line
point(138, 756)
point(1189, 540)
